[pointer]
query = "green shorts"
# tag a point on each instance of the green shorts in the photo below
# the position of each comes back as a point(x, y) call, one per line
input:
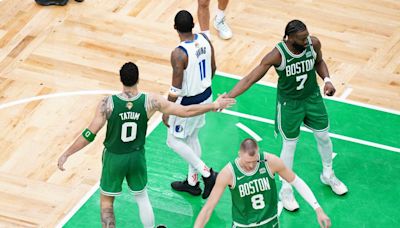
point(117, 167)
point(290, 114)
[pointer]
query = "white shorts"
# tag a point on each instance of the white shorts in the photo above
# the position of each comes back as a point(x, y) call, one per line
point(182, 127)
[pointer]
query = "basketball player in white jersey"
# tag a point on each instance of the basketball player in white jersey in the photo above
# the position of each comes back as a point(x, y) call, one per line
point(193, 66)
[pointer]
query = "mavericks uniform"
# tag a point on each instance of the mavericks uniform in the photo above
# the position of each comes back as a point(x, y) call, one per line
point(254, 198)
point(124, 153)
point(299, 99)
point(196, 85)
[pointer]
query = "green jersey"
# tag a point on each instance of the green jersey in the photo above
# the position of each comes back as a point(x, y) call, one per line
point(127, 124)
point(297, 74)
point(254, 198)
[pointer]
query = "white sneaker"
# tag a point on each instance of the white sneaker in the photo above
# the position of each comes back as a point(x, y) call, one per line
point(223, 29)
point(288, 200)
point(337, 186)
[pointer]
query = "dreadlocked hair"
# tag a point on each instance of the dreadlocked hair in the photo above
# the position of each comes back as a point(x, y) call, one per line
point(293, 27)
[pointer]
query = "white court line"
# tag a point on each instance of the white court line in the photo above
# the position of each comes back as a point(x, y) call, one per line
point(334, 155)
point(269, 84)
point(249, 131)
point(78, 205)
point(53, 95)
point(346, 93)
point(342, 137)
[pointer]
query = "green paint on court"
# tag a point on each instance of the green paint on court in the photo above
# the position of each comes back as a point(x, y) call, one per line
point(370, 173)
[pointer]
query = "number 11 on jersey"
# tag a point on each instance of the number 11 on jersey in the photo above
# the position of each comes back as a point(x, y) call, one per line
point(202, 65)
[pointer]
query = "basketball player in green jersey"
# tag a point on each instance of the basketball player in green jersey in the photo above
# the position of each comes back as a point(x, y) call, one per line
point(297, 60)
point(126, 115)
point(250, 178)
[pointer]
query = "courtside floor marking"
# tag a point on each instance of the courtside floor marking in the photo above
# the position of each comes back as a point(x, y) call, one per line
point(337, 136)
point(249, 131)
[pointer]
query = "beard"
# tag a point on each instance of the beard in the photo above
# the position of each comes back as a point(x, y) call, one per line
point(298, 47)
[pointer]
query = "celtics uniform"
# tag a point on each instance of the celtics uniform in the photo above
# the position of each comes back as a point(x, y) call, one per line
point(124, 153)
point(254, 198)
point(299, 99)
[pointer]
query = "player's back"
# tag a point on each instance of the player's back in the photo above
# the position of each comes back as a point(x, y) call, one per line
point(127, 124)
point(198, 73)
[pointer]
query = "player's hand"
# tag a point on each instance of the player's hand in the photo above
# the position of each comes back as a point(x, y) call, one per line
point(329, 89)
point(165, 118)
point(323, 220)
point(223, 101)
point(63, 158)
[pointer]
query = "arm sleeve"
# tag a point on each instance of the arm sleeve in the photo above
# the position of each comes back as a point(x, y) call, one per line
point(303, 189)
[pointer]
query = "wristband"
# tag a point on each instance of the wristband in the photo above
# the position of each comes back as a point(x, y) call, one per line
point(88, 135)
point(176, 92)
point(327, 79)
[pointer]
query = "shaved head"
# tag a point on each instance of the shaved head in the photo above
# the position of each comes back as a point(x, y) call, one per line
point(249, 146)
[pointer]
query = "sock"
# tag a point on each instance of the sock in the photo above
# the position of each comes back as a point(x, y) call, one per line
point(207, 33)
point(287, 156)
point(325, 150)
point(182, 148)
point(219, 15)
point(192, 176)
point(145, 209)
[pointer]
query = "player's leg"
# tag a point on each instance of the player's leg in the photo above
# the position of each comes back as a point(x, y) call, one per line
point(137, 181)
point(112, 176)
point(107, 211)
point(289, 116)
point(181, 147)
point(209, 182)
point(203, 15)
point(220, 21)
point(317, 120)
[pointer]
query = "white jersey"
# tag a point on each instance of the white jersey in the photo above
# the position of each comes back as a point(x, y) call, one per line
point(196, 85)
point(198, 73)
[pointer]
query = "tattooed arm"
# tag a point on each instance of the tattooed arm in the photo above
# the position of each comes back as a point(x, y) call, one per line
point(102, 113)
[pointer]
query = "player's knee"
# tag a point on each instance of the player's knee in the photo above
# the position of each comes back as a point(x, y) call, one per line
point(322, 136)
point(203, 3)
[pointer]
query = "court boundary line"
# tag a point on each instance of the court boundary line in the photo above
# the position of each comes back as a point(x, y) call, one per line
point(338, 99)
point(333, 135)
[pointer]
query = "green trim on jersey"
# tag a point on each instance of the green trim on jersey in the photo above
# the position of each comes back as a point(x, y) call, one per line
point(297, 73)
point(254, 195)
point(127, 125)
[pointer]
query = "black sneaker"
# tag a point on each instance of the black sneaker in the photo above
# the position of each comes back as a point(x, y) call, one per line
point(52, 2)
point(161, 226)
point(209, 183)
point(184, 186)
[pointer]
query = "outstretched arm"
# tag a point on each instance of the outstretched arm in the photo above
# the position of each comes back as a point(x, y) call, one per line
point(102, 112)
point(159, 103)
point(322, 68)
point(277, 166)
point(224, 179)
point(271, 59)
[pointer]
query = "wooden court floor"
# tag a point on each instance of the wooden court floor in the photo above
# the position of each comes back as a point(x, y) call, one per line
point(70, 54)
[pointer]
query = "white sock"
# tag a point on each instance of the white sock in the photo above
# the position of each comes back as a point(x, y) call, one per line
point(219, 15)
point(325, 150)
point(207, 33)
point(192, 176)
point(287, 156)
point(145, 209)
point(186, 152)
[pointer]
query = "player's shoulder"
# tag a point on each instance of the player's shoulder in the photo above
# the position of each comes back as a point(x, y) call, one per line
point(315, 42)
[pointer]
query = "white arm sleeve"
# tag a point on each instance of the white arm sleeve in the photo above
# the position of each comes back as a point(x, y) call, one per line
point(303, 189)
